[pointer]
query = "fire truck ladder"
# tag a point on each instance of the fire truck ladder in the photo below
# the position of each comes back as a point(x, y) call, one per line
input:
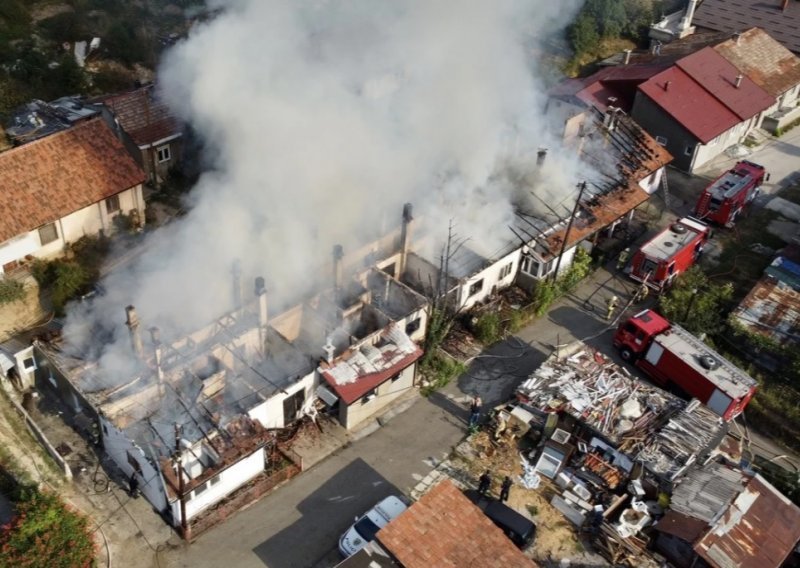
point(665, 187)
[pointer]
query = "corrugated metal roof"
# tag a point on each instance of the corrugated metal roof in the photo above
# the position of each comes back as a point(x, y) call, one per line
point(766, 61)
point(693, 107)
point(737, 15)
point(718, 76)
point(706, 492)
point(758, 530)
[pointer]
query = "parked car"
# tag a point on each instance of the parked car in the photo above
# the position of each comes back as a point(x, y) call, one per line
point(366, 527)
point(518, 528)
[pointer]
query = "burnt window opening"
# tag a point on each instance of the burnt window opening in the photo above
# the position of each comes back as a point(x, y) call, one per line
point(396, 378)
point(413, 326)
point(476, 287)
point(369, 396)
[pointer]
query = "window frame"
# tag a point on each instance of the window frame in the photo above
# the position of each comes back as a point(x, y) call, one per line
point(113, 199)
point(162, 151)
point(472, 290)
point(55, 233)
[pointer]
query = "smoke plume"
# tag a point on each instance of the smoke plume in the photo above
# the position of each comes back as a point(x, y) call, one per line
point(319, 120)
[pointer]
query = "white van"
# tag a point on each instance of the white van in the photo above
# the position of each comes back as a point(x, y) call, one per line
point(366, 527)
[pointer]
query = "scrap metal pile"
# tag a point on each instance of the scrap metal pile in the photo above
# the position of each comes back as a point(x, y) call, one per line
point(600, 394)
point(644, 422)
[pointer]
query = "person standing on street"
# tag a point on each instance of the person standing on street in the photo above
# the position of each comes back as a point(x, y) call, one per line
point(505, 489)
point(484, 483)
point(474, 412)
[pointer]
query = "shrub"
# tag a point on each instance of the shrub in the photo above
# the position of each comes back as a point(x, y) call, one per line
point(10, 291)
point(45, 532)
point(488, 328)
point(439, 370)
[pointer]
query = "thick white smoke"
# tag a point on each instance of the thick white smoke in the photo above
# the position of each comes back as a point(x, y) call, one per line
point(320, 120)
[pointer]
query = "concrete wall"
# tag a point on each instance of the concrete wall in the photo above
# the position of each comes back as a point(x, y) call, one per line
point(270, 412)
point(118, 447)
point(567, 119)
point(652, 182)
point(87, 221)
point(492, 282)
point(354, 414)
point(421, 314)
point(221, 485)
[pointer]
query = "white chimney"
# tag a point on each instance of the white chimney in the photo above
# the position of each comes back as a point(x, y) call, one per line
point(738, 82)
point(405, 238)
point(133, 329)
point(627, 58)
point(155, 336)
point(329, 349)
point(686, 21)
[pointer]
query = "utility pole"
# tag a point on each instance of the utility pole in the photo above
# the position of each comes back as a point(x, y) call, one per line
point(186, 533)
point(582, 188)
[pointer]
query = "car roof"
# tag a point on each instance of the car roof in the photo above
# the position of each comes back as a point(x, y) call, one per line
point(390, 508)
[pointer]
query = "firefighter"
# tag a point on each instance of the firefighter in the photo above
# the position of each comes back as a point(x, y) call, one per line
point(622, 259)
point(611, 304)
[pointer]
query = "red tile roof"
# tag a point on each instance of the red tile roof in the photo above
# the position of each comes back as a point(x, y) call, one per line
point(718, 76)
point(54, 176)
point(689, 104)
point(142, 115)
point(619, 82)
point(444, 529)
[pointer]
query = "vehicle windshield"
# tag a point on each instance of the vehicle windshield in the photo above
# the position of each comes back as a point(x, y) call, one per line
point(366, 528)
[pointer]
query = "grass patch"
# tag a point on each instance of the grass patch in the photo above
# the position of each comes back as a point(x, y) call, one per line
point(438, 370)
point(11, 291)
point(583, 63)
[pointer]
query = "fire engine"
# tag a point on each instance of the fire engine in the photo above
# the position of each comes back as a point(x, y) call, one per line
point(723, 200)
point(674, 358)
point(661, 259)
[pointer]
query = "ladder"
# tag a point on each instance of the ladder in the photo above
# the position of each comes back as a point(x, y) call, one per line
point(665, 187)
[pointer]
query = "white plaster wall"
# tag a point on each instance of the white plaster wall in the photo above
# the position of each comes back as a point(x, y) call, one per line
point(18, 247)
point(491, 279)
point(229, 481)
point(422, 314)
point(116, 445)
point(87, 221)
point(270, 412)
point(356, 413)
point(652, 182)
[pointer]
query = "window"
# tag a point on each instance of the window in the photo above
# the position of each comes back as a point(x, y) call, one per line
point(112, 204)
point(689, 150)
point(368, 397)
point(661, 140)
point(214, 480)
point(412, 326)
point(163, 154)
point(505, 271)
point(200, 489)
point(529, 266)
point(476, 287)
point(396, 378)
point(29, 364)
point(48, 233)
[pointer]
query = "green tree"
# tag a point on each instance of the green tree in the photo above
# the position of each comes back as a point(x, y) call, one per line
point(45, 532)
point(583, 34)
point(696, 303)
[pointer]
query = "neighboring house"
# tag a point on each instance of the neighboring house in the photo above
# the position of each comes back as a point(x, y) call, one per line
point(722, 517)
point(148, 129)
point(772, 307)
point(57, 189)
point(445, 529)
point(772, 67)
point(699, 107)
point(779, 18)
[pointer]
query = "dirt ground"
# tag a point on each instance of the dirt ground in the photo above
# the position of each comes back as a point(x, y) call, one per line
point(555, 535)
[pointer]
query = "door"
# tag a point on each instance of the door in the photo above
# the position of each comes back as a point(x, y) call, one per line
point(292, 405)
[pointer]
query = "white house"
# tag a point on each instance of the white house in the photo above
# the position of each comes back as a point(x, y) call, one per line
point(57, 189)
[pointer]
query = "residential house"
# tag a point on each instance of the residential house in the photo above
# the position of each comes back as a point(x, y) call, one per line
point(194, 417)
point(772, 307)
point(148, 129)
point(772, 67)
point(779, 18)
point(57, 189)
point(445, 529)
point(720, 517)
point(699, 107)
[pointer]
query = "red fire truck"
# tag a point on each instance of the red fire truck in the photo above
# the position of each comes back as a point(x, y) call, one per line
point(676, 359)
point(723, 200)
point(659, 261)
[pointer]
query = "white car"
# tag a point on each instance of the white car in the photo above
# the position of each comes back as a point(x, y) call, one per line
point(366, 527)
